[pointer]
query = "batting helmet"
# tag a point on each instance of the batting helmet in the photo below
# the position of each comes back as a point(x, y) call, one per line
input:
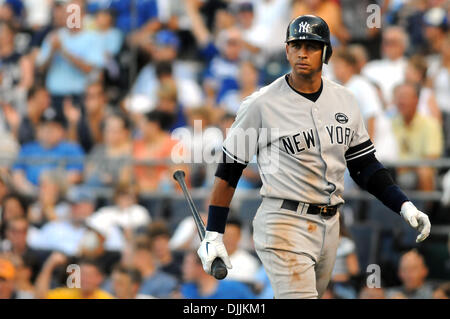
point(310, 27)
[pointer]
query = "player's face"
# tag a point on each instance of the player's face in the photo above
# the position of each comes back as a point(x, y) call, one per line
point(305, 57)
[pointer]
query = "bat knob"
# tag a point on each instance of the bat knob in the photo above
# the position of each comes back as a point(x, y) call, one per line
point(219, 269)
point(179, 174)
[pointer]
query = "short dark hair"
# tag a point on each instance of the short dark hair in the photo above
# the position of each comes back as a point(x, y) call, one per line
point(164, 119)
point(347, 56)
point(91, 262)
point(158, 228)
point(34, 89)
point(131, 272)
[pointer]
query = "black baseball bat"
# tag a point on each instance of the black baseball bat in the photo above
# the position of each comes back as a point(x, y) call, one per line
point(218, 268)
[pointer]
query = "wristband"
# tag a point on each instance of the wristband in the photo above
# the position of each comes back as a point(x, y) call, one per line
point(217, 218)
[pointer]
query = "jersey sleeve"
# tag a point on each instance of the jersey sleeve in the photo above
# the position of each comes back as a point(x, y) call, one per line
point(241, 142)
point(360, 145)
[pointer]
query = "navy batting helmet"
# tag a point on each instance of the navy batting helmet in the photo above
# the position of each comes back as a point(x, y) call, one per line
point(313, 28)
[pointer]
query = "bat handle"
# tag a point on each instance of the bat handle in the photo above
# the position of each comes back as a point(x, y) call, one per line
point(219, 269)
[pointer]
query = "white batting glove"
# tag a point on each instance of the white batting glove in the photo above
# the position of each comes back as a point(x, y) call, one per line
point(416, 219)
point(212, 247)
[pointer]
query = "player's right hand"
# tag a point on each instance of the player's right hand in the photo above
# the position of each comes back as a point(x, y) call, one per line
point(212, 247)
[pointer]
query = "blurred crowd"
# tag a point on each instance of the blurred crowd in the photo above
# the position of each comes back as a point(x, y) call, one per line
point(101, 100)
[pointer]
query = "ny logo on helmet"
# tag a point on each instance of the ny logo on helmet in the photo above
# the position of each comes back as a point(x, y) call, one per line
point(304, 27)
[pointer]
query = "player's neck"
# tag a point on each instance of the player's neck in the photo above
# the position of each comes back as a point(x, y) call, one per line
point(305, 84)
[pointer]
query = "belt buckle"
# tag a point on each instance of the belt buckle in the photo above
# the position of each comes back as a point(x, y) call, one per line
point(323, 210)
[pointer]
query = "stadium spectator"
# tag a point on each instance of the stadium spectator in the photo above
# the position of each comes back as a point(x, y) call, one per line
point(377, 124)
point(418, 137)
point(108, 163)
point(167, 260)
point(65, 235)
point(357, 27)
point(125, 11)
point(330, 11)
point(50, 151)
point(24, 126)
point(167, 102)
point(95, 245)
point(390, 69)
point(200, 285)
point(86, 127)
point(442, 291)
point(112, 37)
point(245, 18)
point(13, 206)
point(126, 283)
point(249, 80)
point(245, 266)
point(38, 13)
point(412, 272)
point(90, 279)
point(439, 75)
point(7, 277)
point(155, 282)
point(23, 281)
point(416, 73)
point(435, 24)
point(15, 244)
point(360, 54)
point(163, 50)
point(125, 215)
point(11, 11)
point(70, 57)
point(155, 144)
point(58, 20)
point(50, 204)
point(268, 26)
point(223, 56)
point(372, 293)
point(346, 266)
point(16, 70)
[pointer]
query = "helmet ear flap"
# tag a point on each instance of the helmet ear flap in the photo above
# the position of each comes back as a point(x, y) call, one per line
point(324, 54)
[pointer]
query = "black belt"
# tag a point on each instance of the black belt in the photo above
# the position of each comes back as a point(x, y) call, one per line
point(324, 210)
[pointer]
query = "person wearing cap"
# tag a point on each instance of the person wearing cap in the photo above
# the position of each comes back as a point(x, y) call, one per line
point(163, 49)
point(50, 151)
point(7, 276)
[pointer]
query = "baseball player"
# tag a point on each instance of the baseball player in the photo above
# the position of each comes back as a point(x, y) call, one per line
point(315, 130)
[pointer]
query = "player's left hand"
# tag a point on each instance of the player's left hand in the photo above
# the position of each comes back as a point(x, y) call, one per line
point(416, 219)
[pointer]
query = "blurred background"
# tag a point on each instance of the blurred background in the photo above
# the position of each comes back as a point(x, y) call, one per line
point(99, 100)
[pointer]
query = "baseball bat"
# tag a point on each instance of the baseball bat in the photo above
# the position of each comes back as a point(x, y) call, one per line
point(218, 268)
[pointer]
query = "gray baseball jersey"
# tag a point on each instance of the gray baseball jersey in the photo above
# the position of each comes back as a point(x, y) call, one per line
point(301, 146)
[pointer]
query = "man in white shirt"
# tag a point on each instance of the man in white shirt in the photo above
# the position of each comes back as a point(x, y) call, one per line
point(345, 66)
point(389, 71)
point(246, 265)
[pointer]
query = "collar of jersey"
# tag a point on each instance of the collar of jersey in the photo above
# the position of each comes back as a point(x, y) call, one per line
point(313, 97)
